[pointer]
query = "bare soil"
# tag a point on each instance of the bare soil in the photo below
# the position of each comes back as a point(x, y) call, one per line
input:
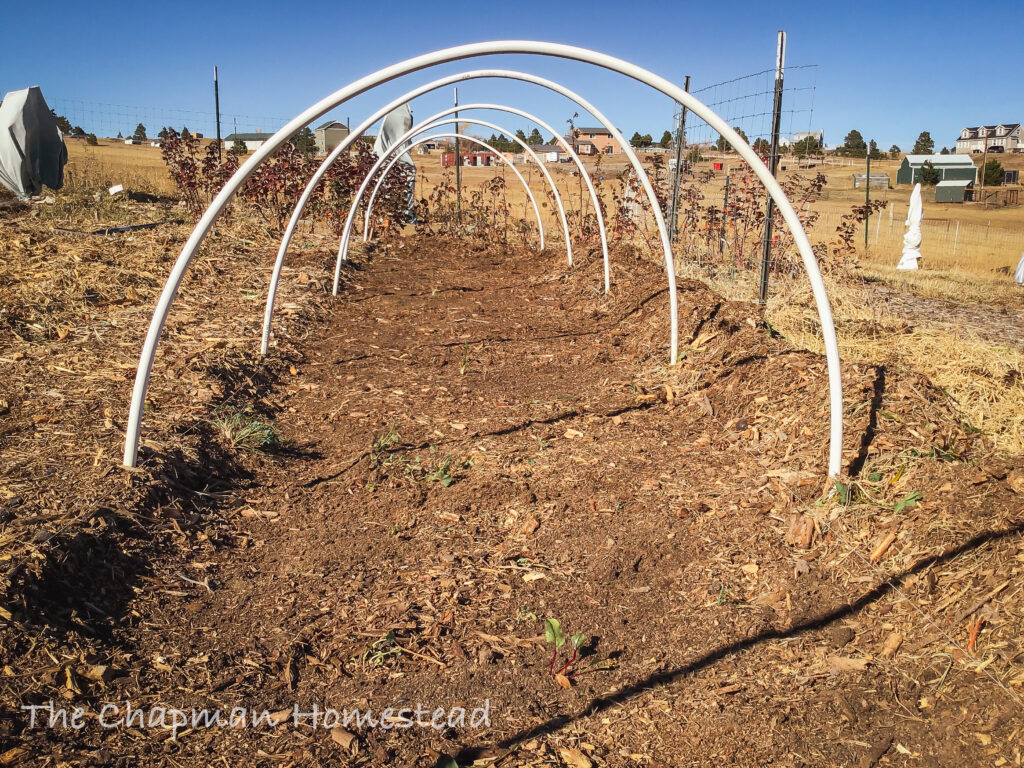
point(473, 440)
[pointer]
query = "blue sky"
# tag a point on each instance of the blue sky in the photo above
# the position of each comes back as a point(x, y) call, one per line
point(888, 69)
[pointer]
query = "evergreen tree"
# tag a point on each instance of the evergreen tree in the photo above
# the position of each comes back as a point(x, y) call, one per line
point(854, 145)
point(304, 142)
point(140, 132)
point(944, 151)
point(805, 146)
point(993, 173)
point(62, 122)
point(90, 139)
point(924, 144)
point(636, 139)
point(723, 146)
point(163, 133)
point(184, 133)
point(238, 147)
point(520, 135)
point(929, 174)
point(666, 140)
point(119, 135)
point(894, 151)
point(535, 138)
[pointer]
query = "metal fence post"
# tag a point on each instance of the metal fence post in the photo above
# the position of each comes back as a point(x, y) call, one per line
point(773, 165)
point(680, 139)
point(216, 107)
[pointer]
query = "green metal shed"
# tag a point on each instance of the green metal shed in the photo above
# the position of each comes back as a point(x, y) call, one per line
point(950, 167)
point(952, 191)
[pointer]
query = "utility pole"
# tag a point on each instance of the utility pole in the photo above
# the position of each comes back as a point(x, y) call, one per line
point(458, 167)
point(680, 140)
point(984, 162)
point(216, 107)
point(773, 166)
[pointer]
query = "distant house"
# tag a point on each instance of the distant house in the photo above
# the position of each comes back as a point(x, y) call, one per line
point(252, 141)
point(549, 153)
point(594, 141)
point(329, 135)
point(468, 158)
point(1006, 137)
point(799, 136)
point(950, 167)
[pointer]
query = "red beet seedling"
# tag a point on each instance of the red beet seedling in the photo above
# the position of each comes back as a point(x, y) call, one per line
point(554, 635)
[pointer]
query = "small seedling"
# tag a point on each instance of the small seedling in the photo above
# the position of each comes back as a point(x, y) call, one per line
point(553, 634)
point(381, 650)
point(382, 444)
point(441, 473)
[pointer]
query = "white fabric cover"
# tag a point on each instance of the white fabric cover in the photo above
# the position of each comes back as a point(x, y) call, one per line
point(1018, 275)
point(397, 123)
point(32, 151)
point(912, 240)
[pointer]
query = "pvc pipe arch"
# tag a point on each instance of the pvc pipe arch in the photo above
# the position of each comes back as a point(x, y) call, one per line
point(568, 150)
point(396, 157)
point(456, 53)
point(440, 83)
point(430, 124)
point(472, 139)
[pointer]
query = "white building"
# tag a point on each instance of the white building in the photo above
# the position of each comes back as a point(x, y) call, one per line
point(252, 141)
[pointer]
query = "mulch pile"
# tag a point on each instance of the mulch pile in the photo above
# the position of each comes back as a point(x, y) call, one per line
point(468, 442)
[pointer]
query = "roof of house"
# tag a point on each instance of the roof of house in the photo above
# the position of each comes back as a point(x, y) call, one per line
point(603, 131)
point(955, 183)
point(547, 148)
point(937, 160)
point(974, 131)
point(331, 124)
point(248, 136)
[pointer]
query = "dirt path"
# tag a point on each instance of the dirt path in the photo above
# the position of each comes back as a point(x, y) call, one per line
point(476, 442)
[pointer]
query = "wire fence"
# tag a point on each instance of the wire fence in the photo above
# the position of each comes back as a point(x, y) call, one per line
point(109, 120)
point(746, 103)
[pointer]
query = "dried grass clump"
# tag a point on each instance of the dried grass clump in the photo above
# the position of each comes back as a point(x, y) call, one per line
point(985, 378)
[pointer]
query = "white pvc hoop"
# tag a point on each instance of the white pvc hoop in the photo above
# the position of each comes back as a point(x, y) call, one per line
point(440, 83)
point(473, 140)
point(558, 50)
point(430, 124)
